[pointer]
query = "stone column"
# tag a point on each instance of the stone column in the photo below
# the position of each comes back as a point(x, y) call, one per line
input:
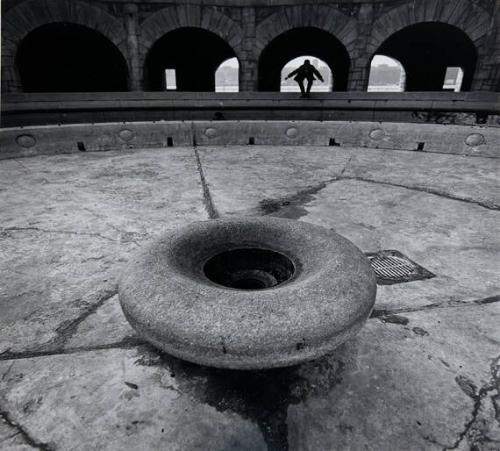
point(10, 76)
point(247, 57)
point(488, 61)
point(359, 71)
point(131, 26)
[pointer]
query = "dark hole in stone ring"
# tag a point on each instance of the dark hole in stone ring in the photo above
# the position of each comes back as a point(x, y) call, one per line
point(249, 268)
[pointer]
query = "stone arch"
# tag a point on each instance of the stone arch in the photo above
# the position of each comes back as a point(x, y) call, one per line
point(192, 16)
point(326, 18)
point(301, 42)
point(465, 15)
point(31, 14)
point(173, 18)
point(191, 55)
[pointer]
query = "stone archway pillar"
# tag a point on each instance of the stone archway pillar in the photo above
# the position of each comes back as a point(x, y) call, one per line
point(11, 81)
point(360, 56)
point(131, 27)
point(488, 61)
point(248, 58)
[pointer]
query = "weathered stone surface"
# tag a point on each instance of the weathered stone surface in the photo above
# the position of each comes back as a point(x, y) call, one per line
point(167, 295)
point(431, 384)
point(115, 399)
point(413, 386)
point(427, 353)
point(439, 210)
point(68, 225)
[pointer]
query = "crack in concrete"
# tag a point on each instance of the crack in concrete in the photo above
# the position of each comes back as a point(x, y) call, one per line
point(66, 232)
point(126, 343)
point(295, 202)
point(488, 205)
point(131, 342)
point(477, 396)
point(207, 197)
point(425, 152)
point(382, 313)
point(127, 235)
point(6, 417)
point(25, 168)
point(68, 328)
point(346, 165)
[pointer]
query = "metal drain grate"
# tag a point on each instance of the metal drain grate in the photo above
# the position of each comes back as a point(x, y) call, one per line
point(393, 267)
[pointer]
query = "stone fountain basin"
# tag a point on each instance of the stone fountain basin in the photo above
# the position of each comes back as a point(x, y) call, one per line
point(248, 293)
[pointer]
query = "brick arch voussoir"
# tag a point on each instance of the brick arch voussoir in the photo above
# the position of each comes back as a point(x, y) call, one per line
point(463, 14)
point(21, 20)
point(32, 14)
point(180, 16)
point(323, 17)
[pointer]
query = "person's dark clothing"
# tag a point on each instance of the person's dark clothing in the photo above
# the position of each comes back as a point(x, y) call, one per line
point(305, 72)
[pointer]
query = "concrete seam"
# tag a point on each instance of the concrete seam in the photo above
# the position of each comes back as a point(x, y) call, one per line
point(487, 205)
point(477, 397)
point(5, 416)
point(449, 304)
point(423, 152)
point(132, 342)
point(207, 197)
point(67, 232)
point(273, 206)
point(67, 329)
point(126, 343)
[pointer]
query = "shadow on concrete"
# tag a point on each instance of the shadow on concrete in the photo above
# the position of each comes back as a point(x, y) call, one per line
point(263, 396)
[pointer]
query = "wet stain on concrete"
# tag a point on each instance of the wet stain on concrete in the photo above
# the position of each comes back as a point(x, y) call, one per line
point(489, 300)
point(420, 331)
point(395, 319)
point(291, 206)
point(467, 386)
point(263, 396)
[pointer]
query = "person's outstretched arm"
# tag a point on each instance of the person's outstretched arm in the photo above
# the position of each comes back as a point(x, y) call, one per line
point(317, 73)
point(291, 74)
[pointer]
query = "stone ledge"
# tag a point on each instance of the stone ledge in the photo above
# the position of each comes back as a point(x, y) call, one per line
point(450, 139)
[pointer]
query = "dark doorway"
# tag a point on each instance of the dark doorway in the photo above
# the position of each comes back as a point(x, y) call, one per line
point(426, 50)
point(303, 41)
point(193, 53)
point(64, 57)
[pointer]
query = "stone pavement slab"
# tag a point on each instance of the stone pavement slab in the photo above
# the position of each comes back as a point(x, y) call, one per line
point(71, 222)
point(422, 374)
point(431, 383)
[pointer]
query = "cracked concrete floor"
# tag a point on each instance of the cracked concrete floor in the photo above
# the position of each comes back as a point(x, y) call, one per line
point(424, 373)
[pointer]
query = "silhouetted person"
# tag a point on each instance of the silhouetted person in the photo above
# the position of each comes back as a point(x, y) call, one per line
point(305, 72)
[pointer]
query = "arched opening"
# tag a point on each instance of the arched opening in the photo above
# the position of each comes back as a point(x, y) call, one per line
point(386, 75)
point(298, 42)
point(66, 57)
point(227, 76)
point(194, 54)
point(427, 50)
point(319, 86)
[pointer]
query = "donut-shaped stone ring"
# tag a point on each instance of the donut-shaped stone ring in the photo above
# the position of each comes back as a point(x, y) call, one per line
point(248, 293)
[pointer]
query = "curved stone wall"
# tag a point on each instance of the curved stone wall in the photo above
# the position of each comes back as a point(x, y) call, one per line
point(451, 139)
